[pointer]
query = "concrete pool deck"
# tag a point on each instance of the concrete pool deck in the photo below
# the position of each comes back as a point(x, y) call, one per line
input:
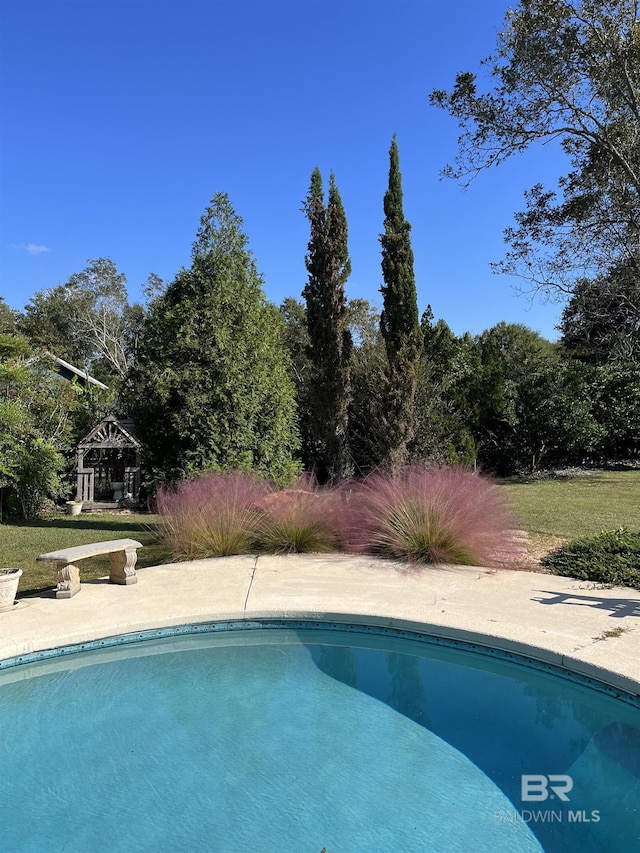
point(578, 625)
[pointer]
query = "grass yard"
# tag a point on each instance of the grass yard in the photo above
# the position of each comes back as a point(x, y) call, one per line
point(551, 511)
point(555, 511)
point(22, 542)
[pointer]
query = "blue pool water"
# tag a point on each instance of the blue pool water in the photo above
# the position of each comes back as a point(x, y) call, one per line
point(294, 740)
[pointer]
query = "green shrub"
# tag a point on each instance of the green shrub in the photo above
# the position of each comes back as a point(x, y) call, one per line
point(611, 557)
point(38, 476)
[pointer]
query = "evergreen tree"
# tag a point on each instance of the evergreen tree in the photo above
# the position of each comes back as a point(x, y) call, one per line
point(330, 344)
point(616, 388)
point(601, 321)
point(443, 418)
point(399, 320)
point(528, 409)
point(211, 389)
point(296, 341)
point(366, 412)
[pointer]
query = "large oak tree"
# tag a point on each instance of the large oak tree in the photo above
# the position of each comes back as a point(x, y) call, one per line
point(567, 71)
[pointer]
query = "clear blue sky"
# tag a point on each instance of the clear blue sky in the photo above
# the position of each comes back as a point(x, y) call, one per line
point(121, 118)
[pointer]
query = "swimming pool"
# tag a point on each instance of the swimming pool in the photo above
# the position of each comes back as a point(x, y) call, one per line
point(286, 736)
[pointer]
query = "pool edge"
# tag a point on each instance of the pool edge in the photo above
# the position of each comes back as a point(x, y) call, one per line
point(502, 609)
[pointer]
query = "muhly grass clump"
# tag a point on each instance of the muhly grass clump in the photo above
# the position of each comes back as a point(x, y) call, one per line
point(303, 519)
point(215, 515)
point(420, 515)
point(221, 514)
point(432, 515)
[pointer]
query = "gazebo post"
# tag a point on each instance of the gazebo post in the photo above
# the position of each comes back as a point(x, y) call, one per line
point(80, 480)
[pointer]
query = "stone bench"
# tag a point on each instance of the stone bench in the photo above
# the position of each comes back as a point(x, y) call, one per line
point(123, 554)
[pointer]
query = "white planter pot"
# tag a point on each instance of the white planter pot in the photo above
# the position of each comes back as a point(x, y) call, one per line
point(9, 580)
point(118, 490)
point(74, 507)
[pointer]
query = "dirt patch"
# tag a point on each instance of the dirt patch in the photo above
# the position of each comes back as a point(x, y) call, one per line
point(525, 550)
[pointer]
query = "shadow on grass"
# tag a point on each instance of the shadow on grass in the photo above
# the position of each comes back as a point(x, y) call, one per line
point(77, 522)
point(568, 474)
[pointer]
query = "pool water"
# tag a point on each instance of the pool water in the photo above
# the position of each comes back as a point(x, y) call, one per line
point(309, 739)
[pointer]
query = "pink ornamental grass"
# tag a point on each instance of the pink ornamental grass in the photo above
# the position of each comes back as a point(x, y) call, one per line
point(303, 519)
point(432, 515)
point(215, 515)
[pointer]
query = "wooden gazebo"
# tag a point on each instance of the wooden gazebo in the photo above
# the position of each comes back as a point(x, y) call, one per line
point(109, 463)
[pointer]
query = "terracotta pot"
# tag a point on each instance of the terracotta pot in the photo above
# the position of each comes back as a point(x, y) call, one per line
point(9, 580)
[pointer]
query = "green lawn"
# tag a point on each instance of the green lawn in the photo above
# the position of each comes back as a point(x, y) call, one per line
point(21, 542)
point(578, 506)
point(551, 511)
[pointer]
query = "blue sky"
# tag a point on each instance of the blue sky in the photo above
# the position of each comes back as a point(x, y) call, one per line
point(120, 119)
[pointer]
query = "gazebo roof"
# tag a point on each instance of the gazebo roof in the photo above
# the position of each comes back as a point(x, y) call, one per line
point(111, 433)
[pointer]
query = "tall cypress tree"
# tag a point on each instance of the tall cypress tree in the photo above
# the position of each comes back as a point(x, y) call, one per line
point(399, 321)
point(329, 267)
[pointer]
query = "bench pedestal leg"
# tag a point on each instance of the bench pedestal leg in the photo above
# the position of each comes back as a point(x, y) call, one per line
point(123, 567)
point(68, 580)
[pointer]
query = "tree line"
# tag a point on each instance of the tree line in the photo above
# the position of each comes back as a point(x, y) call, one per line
point(215, 376)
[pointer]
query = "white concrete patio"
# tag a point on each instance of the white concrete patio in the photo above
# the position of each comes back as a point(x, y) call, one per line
point(574, 624)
